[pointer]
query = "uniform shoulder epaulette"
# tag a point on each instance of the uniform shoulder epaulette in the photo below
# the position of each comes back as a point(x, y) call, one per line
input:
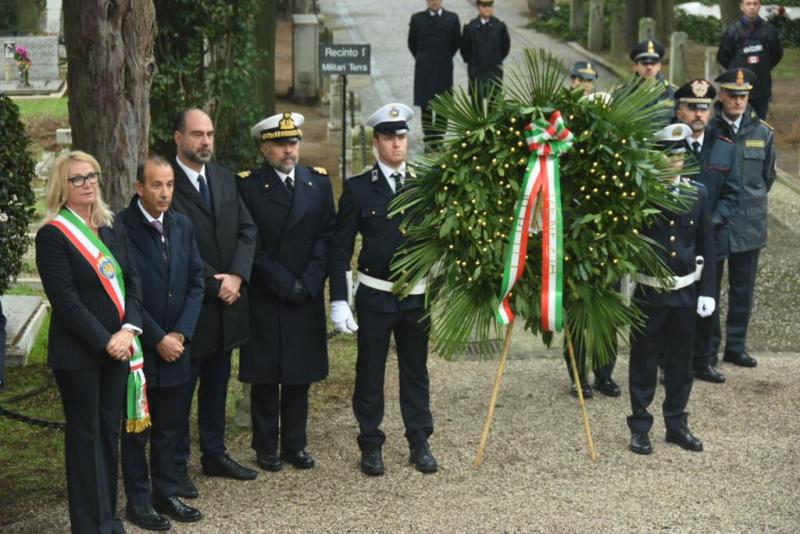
point(319, 170)
point(245, 174)
point(768, 125)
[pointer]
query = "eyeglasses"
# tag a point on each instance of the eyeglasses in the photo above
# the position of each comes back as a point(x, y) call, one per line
point(78, 181)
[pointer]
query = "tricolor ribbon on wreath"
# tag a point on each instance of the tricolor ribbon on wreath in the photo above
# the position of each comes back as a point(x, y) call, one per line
point(108, 271)
point(547, 140)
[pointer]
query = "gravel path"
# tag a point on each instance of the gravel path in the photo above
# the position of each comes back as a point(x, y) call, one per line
point(536, 476)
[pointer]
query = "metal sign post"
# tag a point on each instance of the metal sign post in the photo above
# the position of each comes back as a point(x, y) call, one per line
point(344, 60)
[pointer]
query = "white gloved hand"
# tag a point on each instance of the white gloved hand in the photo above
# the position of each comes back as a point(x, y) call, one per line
point(705, 306)
point(342, 317)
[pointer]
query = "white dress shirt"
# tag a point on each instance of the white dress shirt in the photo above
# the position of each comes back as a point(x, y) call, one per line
point(283, 176)
point(193, 174)
point(733, 124)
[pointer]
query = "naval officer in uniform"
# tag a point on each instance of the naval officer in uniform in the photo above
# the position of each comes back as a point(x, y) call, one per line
point(685, 239)
point(363, 209)
point(292, 207)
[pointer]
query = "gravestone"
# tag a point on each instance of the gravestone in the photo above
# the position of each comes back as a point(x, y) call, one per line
point(647, 28)
point(25, 316)
point(306, 84)
point(53, 17)
point(678, 72)
point(43, 75)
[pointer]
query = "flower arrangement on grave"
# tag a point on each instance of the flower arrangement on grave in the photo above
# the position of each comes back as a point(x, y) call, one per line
point(24, 64)
point(532, 207)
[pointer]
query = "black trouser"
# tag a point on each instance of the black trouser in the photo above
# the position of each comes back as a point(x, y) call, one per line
point(93, 400)
point(602, 372)
point(704, 354)
point(213, 372)
point(411, 337)
point(483, 90)
point(165, 415)
point(669, 332)
point(274, 405)
point(433, 126)
point(760, 106)
point(742, 269)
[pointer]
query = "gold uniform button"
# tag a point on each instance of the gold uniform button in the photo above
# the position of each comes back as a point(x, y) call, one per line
point(673, 254)
point(373, 212)
point(366, 269)
point(672, 223)
point(672, 238)
point(691, 223)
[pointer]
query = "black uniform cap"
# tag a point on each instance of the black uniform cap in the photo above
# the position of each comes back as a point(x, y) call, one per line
point(583, 70)
point(648, 51)
point(697, 94)
point(737, 81)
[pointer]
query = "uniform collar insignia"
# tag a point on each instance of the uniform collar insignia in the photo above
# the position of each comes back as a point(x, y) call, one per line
point(375, 174)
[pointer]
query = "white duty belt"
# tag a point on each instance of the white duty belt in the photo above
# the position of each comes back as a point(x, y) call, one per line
point(678, 282)
point(385, 285)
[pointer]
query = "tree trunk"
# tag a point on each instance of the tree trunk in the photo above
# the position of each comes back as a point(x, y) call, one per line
point(619, 43)
point(664, 13)
point(266, 31)
point(634, 10)
point(729, 9)
point(595, 25)
point(576, 15)
point(110, 68)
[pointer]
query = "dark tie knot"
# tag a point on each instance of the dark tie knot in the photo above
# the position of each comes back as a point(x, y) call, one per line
point(399, 181)
point(289, 183)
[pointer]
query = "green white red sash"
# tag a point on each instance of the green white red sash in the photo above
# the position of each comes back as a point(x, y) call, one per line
point(108, 271)
point(547, 140)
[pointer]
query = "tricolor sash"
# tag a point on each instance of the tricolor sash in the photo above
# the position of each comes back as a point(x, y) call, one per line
point(547, 140)
point(108, 271)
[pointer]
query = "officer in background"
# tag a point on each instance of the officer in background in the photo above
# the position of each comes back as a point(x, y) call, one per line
point(686, 238)
point(752, 43)
point(582, 76)
point(747, 229)
point(484, 45)
point(434, 36)
point(646, 57)
point(292, 207)
point(363, 208)
point(715, 156)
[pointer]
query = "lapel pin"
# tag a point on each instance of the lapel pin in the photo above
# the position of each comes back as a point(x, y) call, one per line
point(374, 175)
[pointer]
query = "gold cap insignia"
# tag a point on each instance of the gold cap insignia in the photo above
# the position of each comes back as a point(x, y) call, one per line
point(677, 131)
point(651, 49)
point(394, 112)
point(740, 77)
point(287, 122)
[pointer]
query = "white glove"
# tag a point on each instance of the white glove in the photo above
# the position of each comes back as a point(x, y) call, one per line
point(342, 317)
point(705, 306)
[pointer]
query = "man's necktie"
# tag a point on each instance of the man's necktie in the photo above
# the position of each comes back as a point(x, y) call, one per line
point(696, 148)
point(163, 248)
point(201, 181)
point(398, 182)
point(289, 184)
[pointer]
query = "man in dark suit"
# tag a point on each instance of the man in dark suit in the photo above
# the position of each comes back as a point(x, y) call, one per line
point(715, 155)
point(363, 208)
point(484, 45)
point(685, 238)
point(434, 37)
point(171, 271)
point(206, 193)
point(292, 206)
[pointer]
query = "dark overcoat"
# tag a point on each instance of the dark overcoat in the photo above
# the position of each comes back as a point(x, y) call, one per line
point(755, 46)
point(484, 47)
point(226, 237)
point(433, 41)
point(172, 291)
point(289, 342)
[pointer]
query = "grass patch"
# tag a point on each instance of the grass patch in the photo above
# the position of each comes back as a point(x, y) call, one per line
point(54, 108)
point(787, 68)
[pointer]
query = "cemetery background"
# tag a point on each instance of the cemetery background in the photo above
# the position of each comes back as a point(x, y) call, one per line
point(536, 476)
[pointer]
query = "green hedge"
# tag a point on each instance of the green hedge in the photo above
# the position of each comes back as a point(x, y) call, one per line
point(16, 196)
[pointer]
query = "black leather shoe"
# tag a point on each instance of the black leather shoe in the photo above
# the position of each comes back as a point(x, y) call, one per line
point(186, 487)
point(423, 459)
point(223, 465)
point(607, 387)
point(144, 516)
point(586, 388)
point(684, 439)
point(742, 359)
point(709, 374)
point(173, 507)
point(269, 461)
point(372, 462)
point(299, 459)
point(640, 443)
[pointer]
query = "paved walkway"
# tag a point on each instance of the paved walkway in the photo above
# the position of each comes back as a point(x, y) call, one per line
point(384, 25)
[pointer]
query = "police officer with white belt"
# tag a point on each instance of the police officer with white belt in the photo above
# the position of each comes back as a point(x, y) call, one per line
point(364, 208)
point(685, 238)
